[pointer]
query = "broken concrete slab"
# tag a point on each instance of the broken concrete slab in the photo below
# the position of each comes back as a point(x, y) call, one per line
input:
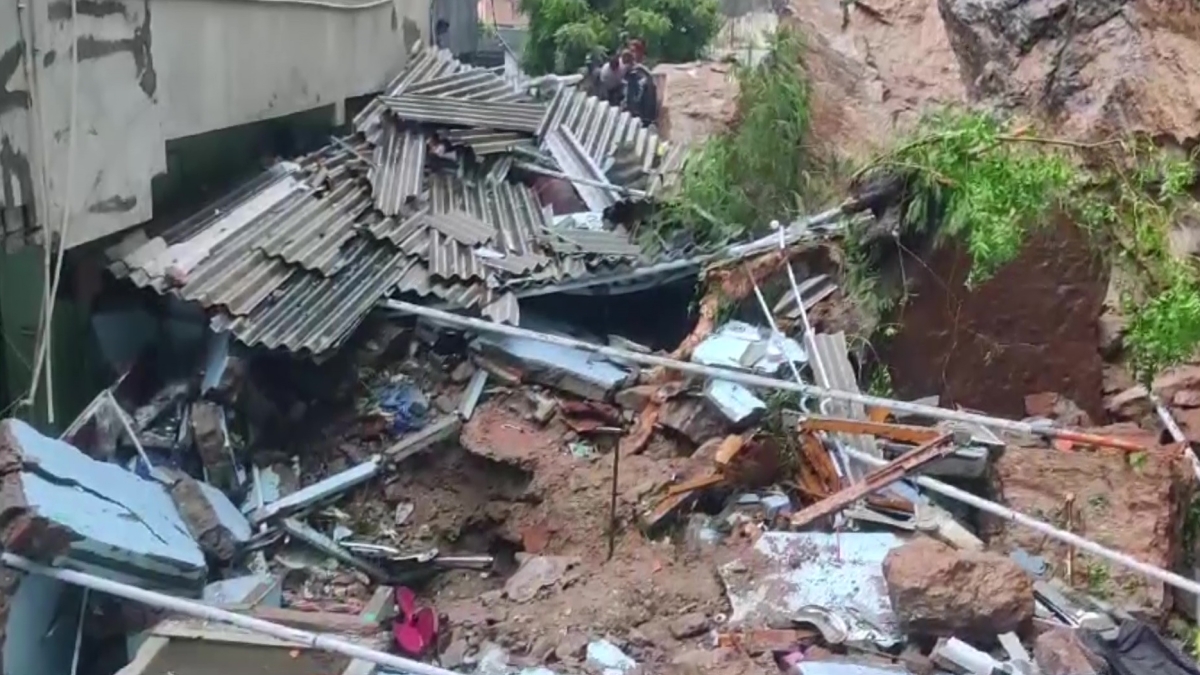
point(938, 591)
point(695, 418)
point(738, 404)
point(741, 346)
point(841, 573)
point(215, 523)
point(195, 646)
point(317, 492)
point(246, 591)
point(97, 516)
point(570, 370)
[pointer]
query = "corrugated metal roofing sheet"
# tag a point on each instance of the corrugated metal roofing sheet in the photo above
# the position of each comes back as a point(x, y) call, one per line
point(399, 167)
point(569, 240)
point(461, 226)
point(487, 142)
point(571, 158)
point(601, 128)
point(501, 116)
point(423, 64)
point(314, 314)
point(470, 85)
point(310, 232)
point(512, 209)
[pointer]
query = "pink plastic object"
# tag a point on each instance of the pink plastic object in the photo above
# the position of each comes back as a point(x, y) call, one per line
point(415, 628)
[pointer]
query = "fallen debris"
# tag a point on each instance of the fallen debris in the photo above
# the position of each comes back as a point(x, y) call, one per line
point(938, 591)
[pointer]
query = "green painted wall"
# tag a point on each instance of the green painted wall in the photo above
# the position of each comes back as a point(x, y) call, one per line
point(21, 283)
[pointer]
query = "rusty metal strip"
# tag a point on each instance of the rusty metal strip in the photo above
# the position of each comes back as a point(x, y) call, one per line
point(901, 433)
point(877, 479)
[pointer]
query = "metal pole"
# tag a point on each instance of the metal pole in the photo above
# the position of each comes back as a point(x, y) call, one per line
point(1169, 578)
point(752, 380)
point(199, 610)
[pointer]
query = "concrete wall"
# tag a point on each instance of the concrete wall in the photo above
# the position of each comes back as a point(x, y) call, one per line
point(154, 70)
point(41, 626)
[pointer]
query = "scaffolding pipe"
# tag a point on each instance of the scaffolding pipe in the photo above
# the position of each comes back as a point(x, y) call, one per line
point(1070, 538)
point(1044, 430)
point(199, 610)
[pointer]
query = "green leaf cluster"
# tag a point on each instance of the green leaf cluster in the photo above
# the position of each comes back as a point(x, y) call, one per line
point(734, 184)
point(988, 186)
point(564, 33)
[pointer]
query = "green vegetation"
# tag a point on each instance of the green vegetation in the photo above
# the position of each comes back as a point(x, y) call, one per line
point(735, 184)
point(989, 186)
point(564, 33)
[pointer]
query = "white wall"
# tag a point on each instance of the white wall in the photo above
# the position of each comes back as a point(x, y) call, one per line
point(153, 70)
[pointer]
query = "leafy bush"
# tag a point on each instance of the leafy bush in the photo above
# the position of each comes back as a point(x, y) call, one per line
point(989, 185)
point(735, 184)
point(564, 33)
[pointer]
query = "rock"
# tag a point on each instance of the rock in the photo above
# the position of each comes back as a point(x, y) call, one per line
point(1069, 60)
point(915, 661)
point(689, 625)
point(571, 648)
point(937, 591)
point(455, 653)
point(542, 648)
point(1188, 398)
point(634, 399)
point(535, 573)
point(212, 442)
point(693, 417)
point(1112, 333)
point(1137, 512)
point(1055, 407)
point(1059, 651)
point(215, 523)
point(445, 403)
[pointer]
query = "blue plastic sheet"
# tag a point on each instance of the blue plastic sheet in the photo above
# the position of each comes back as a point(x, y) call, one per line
point(405, 404)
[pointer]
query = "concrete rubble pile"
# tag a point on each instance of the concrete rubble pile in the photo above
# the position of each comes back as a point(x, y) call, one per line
point(288, 491)
point(825, 563)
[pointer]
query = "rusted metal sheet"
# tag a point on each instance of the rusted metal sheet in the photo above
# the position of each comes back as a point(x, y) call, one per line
point(876, 480)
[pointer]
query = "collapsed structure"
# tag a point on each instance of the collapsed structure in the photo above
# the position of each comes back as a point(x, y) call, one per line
point(817, 507)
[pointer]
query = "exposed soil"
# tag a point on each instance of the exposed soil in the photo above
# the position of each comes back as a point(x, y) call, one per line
point(515, 487)
point(1131, 506)
point(699, 100)
point(1031, 328)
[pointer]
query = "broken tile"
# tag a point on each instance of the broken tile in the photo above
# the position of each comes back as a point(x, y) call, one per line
point(57, 501)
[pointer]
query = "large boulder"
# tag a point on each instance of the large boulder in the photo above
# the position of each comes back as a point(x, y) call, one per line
point(938, 591)
point(1096, 67)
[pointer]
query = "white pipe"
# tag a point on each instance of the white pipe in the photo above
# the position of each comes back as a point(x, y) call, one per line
point(1168, 420)
point(199, 610)
point(1070, 538)
point(748, 379)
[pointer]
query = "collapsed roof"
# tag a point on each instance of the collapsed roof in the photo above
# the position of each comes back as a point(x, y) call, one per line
point(424, 199)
